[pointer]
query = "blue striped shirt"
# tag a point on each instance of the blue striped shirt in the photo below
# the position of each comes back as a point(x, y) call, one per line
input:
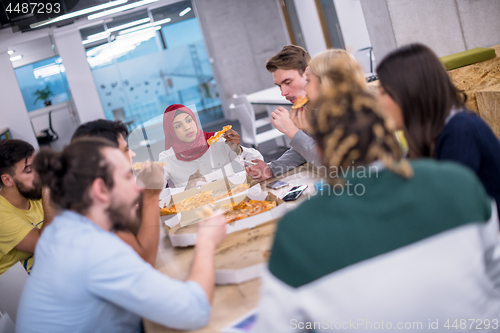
point(87, 279)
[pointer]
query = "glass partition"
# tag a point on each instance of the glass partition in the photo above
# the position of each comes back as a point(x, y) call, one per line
point(43, 83)
point(145, 61)
point(41, 77)
point(219, 160)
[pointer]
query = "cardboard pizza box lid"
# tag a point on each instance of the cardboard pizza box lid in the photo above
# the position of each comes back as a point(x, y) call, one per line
point(243, 255)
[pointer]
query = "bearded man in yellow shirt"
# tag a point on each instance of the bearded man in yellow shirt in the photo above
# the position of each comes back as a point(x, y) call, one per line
point(22, 209)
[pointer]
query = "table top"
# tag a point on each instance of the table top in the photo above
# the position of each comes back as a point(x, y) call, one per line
point(231, 301)
point(269, 96)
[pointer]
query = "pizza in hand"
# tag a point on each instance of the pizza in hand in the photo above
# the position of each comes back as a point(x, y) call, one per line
point(300, 102)
point(218, 135)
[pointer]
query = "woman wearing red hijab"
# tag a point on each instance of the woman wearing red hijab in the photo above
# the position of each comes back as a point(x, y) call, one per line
point(187, 155)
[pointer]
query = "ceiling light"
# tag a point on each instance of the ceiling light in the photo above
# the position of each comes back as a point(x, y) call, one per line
point(185, 11)
point(145, 27)
point(105, 34)
point(140, 27)
point(120, 9)
point(10, 51)
point(85, 42)
point(168, 19)
point(99, 35)
point(127, 25)
point(48, 70)
point(16, 58)
point(78, 13)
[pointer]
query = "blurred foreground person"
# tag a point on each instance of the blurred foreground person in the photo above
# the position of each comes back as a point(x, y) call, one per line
point(24, 207)
point(388, 242)
point(86, 279)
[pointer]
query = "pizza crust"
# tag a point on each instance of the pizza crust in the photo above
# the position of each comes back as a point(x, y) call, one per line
point(238, 189)
point(196, 201)
point(300, 102)
point(219, 134)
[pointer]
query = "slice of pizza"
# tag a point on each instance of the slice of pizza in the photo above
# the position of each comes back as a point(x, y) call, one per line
point(168, 211)
point(248, 208)
point(300, 102)
point(218, 135)
point(196, 201)
point(235, 190)
point(235, 216)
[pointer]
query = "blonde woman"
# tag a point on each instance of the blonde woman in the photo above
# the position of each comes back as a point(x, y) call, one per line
point(318, 79)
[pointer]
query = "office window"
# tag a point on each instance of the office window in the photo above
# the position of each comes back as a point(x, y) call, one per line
point(42, 82)
point(145, 61)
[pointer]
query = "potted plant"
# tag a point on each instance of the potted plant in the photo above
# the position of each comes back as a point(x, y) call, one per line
point(43, 95)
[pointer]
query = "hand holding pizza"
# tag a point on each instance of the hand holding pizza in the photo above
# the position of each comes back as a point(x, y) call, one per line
point(300, 119)
point(280, 118)
point(150, 176)
point(233, 140)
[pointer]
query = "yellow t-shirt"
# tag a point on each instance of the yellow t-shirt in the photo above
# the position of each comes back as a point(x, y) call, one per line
point(15, 224)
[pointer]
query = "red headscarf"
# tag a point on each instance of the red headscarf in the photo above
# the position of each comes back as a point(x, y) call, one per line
point(184, 151)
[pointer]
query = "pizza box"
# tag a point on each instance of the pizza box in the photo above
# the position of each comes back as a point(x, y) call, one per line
point(236, 276)
point(169, 197)
point(244, 255)
point(185, 234)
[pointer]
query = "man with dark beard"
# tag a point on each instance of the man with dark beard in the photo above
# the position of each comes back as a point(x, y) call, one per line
point(21, 208)
point(86, 279)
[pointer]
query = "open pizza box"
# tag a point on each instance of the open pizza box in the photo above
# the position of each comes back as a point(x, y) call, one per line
point(218, 188)
point(184, 234)
point(244, 254)
point(236, 276)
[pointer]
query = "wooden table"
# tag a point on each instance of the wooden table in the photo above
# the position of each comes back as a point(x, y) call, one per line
point(232, 301)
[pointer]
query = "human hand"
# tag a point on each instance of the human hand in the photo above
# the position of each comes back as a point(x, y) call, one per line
point(280, 118)
point(233, 140)
point(260, 171)
point(212, 230)
point(232, 136)
point(299, 118)
point(194, 178)
point(150, 176)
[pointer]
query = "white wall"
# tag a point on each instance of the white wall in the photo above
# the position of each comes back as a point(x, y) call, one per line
point(446, 26)
point(354, 31)
point(13, 112)
point(310, 26)
point(353, 24)
point(79, 76)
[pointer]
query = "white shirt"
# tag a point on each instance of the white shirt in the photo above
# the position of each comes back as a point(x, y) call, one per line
point(219, 156)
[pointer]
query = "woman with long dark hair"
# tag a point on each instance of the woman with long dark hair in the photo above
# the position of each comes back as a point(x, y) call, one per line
point(420, 98)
